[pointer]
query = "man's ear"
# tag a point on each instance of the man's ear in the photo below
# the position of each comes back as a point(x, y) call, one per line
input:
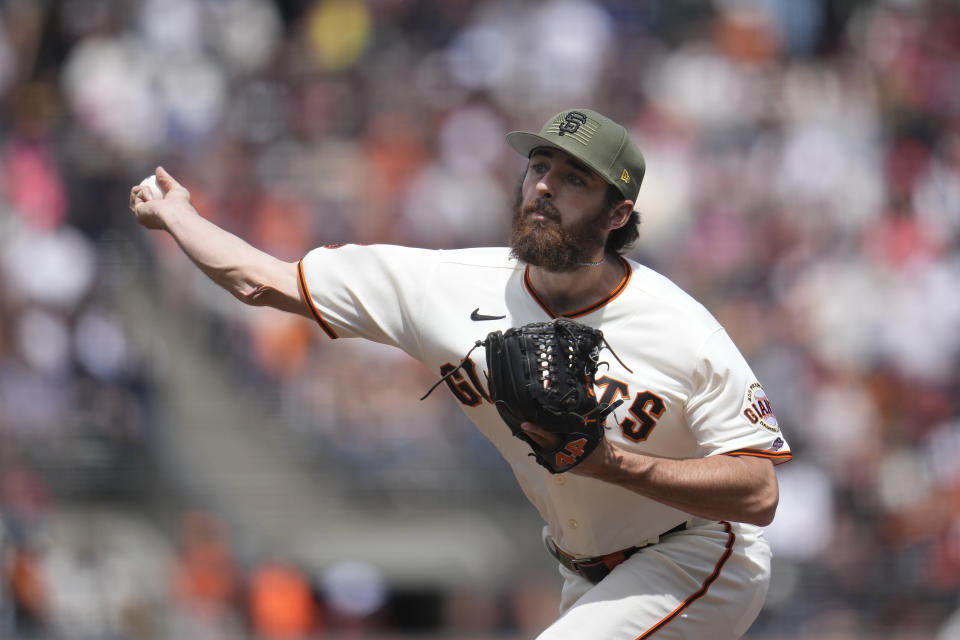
point(620, 215)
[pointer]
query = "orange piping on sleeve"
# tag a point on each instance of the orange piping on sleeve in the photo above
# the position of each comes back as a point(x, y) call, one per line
point(309, 301)
point(777, 458)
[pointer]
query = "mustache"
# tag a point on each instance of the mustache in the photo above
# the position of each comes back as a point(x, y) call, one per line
point(543, 207)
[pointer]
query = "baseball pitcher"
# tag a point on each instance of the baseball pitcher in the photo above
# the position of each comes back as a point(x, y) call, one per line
point(631, 420)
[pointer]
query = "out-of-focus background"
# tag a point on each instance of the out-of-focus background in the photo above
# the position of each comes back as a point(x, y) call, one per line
point(176, 465)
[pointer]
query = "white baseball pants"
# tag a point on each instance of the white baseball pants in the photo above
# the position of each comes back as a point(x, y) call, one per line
point(708, 581)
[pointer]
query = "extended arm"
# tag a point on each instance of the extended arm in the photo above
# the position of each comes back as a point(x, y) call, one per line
point(249, 274)
point(738, 488)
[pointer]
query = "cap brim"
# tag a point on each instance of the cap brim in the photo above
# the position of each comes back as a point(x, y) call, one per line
point(524, 142)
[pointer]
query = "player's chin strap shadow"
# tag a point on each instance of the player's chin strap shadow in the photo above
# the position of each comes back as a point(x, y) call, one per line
point(483, 343)
point(463, 361)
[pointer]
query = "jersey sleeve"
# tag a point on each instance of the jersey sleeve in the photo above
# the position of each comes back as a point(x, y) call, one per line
point(728, 410)
point(356, 291)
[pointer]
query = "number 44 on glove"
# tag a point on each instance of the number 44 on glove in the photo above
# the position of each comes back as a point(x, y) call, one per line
point(543, 372)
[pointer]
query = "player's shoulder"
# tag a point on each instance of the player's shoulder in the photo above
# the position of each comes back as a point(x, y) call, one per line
point(491, 257)
point(417, 265)
point(657, 290)
point(479, 256)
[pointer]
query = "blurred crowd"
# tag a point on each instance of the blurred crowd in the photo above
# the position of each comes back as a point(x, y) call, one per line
point(803, 182)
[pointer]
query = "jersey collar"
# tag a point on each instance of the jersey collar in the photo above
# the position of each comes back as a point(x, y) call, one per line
point(627, 272)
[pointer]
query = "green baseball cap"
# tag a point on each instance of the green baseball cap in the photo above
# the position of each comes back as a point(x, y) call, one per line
point(593, 139)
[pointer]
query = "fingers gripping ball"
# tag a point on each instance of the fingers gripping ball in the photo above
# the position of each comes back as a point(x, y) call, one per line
point(150, 182)
point(543, 373)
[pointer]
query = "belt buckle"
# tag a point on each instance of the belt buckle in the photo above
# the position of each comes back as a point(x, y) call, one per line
point(554, 550)
point(593, 569)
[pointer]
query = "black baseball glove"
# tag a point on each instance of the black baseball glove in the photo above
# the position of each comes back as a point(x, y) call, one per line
point(543, 373)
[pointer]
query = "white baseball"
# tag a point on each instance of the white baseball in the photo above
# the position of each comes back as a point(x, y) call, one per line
point(150, 182)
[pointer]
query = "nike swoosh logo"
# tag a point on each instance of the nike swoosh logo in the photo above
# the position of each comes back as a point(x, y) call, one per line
point(476, 316)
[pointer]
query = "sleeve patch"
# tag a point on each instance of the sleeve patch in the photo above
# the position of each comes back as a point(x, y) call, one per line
point(758, 410)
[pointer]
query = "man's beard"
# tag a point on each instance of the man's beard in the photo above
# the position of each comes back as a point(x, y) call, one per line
point(545, 243)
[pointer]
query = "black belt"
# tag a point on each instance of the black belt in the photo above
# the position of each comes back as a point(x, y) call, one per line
point(597, 568)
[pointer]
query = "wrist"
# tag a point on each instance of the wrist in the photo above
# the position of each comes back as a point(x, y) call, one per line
point(171, 219)
point(612, 464)
point(602, 463)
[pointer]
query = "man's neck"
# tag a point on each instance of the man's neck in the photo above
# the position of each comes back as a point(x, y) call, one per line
point(575, 290)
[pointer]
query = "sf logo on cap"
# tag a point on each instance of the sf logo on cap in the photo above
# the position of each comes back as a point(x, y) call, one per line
point(572, 122)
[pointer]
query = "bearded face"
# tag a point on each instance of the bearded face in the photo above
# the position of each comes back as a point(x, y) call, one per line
point(546, 243)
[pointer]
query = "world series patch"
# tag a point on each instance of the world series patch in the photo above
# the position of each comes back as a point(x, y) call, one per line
point(758, 409)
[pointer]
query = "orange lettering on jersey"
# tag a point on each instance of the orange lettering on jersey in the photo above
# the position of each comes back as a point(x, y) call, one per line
point(471, 369)
point(462, 389)
point(612, 388)
point(563, 459)
point(469, 392)
point(647, 408)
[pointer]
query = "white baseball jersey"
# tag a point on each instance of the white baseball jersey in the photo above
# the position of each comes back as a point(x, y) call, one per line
point(691, 394)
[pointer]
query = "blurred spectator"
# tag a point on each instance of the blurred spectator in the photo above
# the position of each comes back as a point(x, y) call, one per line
point(23, 579)
point(206, 580)
point(104, 570)
point(354, 592)
point(282, 603)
